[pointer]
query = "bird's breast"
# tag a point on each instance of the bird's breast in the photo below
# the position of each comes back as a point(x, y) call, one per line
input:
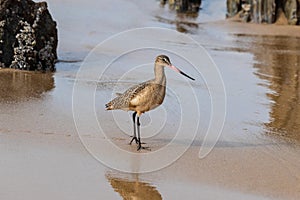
point(149, 98)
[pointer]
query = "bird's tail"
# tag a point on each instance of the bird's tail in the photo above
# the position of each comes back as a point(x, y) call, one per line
point(109, 106)
point(117, 103)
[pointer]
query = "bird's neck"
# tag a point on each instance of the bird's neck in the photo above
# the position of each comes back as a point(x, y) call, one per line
point(160, 77)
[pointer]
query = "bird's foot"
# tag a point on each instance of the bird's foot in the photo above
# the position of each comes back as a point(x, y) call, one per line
point(142, 147)
point(135, 139)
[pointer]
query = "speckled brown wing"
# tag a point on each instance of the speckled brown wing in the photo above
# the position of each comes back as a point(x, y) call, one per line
point(123, 100)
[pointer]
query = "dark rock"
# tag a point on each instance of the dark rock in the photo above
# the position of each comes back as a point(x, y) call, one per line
point(290, 11)
point(183, 6)
point(265, 11)
point(233, 7)
point(298, 11)
point(28, 35)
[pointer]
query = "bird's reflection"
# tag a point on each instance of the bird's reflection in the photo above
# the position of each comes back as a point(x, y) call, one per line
point(132, 188)
point(16, 85)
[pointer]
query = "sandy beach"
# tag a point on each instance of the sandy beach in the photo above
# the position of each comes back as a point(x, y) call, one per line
point(44, 151)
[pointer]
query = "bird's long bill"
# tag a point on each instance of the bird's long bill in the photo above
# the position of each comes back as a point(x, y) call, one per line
point(181, 72)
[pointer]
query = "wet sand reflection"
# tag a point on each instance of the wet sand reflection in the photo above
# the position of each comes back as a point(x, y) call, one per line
point(16, 85)
point(133, 189)
point(278, 62)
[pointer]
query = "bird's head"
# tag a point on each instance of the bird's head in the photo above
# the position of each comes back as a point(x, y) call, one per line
point(164, 60)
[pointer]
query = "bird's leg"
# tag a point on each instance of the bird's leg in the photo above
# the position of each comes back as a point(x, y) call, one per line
point(134, 129)
point(139, 136)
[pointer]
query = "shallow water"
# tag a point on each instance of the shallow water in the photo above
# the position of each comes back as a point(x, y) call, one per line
point(260, 73)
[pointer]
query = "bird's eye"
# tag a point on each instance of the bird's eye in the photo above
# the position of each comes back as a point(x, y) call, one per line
point(165, 60)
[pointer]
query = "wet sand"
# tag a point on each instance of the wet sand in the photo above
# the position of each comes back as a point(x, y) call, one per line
point(256, 157)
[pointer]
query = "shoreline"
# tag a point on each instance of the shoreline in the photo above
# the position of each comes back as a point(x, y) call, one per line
point(235, 27)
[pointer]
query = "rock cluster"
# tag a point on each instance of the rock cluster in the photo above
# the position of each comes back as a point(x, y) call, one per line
point(28, 35)
point(265, 11)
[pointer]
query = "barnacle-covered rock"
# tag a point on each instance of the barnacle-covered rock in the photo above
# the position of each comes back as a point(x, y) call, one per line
point(28, 35)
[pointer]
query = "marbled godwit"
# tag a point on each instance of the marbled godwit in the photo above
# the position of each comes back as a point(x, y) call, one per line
point(144, 96)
